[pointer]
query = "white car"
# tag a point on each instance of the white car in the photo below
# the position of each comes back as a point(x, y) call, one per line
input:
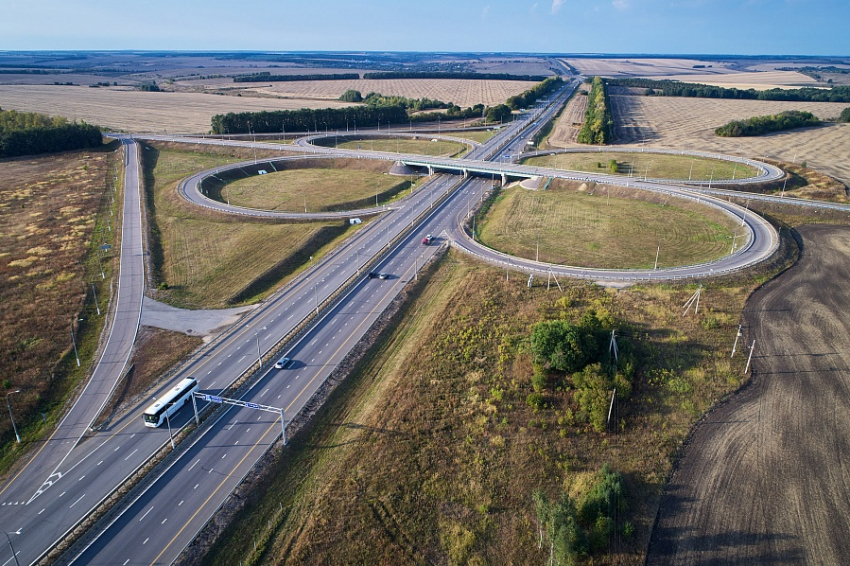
point(282, 363)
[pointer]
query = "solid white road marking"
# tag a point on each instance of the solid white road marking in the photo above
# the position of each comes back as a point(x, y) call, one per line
point(193, 465)
point(77, 501)
point(131, 453)
point(146, 513)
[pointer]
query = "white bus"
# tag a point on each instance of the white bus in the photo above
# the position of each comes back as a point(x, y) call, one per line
point(171, 402)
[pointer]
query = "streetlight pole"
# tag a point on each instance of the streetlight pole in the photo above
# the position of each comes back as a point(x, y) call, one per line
point(74, 341)
point(12, 548)
point(168, 422)
point(259, 355)
point(8, 404)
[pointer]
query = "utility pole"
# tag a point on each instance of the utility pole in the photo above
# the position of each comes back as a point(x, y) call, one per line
point(612, 347)
point(8, 404)
point(749, 359)
point(94, 292)
point(657, 252)
point(259, 356)
point(735, 345)
point(74, 341)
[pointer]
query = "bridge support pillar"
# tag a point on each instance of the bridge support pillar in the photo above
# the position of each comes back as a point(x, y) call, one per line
point(465, 173)
point(430, 171)
point(504, 180)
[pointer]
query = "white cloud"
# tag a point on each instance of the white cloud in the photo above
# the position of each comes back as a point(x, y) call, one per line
point(556, 5)
point(533, 9)
point(620, 4)
point(485, 11)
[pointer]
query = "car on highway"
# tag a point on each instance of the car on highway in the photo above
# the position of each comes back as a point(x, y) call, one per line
point(282, 363)
point(383, 275)
point(426, 241)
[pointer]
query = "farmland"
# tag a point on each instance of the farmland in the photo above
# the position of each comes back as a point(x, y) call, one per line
point(579, 225)
point(55, 212)
point(463, 92)
point(567, 126)
point(200, 259)
point(652, 165)
point(431, 455)
point(134, 111)
point(317, 188)
point(688, 123)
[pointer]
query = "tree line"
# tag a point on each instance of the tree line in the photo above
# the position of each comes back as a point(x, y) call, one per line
point(28, 133)
point(597, 118)
point(696, 90)
point(759, 125)
point(535, 93)
point(268, 77)
point(452, 75)
point(306, 119)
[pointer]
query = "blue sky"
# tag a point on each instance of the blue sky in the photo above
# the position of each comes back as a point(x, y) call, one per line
point(808, 27)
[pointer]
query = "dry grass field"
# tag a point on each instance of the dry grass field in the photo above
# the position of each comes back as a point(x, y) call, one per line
point(462, 92)
point(135, 111)
point(689, 123)
point(580, 226)
point(566, 129)
point(401, 145)
point(646, 164)
point(211, 260)
point(317, 189)
point(52, 209)
point(430, 455)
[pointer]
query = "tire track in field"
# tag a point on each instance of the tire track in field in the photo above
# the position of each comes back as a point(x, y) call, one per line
point(764, 478)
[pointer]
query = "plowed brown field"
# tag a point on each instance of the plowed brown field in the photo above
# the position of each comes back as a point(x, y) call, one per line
point(765, 478)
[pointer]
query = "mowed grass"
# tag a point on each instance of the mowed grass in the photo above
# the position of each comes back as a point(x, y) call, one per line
point(587, 229)
point(430, 455)
point(314, 189)
point(652, 165)
point(480, 136)
point(209, 260)
point(440, 148)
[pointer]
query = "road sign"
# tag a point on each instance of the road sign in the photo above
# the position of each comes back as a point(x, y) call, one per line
point(252, 405)
point(202, 396)
point(213, 399)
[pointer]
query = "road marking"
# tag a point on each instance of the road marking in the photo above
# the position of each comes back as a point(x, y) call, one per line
point(163, 521)
point(181, 503)
point(40, 512)
point(146, 541)
point(193, 465)
point(249, 429)
point(223, 456)
point(125, 562)
point(240, 359)
point(60, 495)
point(116, 450)
point(77, 501)
point(81, 479)
point(146, 513)
point(290, 316)
point(131, 453)
point(264, 392)
point(196, 486)
point(99, 463)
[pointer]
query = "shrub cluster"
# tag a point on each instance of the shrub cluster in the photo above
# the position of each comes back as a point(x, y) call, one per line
point(759, 125)
point(535, 93)
point(576, 356)
point(27, 133)
point(696, 90)
point(845, 115)
point(597, 119)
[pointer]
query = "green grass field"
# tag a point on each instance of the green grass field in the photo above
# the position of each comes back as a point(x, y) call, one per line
point(315, 189)
point(480, 136)
point(653, 165)
point(422, 146)
point(587, 229)
point(211, 260)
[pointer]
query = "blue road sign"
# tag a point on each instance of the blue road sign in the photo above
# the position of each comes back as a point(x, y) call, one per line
point(252, 405)
point(213, 399)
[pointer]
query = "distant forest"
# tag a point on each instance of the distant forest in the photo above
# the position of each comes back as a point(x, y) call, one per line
point(268, 77)
point(695, 90)
point(453, 75)
point(27, 133)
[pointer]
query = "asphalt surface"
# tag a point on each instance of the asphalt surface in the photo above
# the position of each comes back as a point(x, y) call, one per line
point(30, 489)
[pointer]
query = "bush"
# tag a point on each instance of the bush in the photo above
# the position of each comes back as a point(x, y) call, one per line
point(535, 401)
point(845, 115)
point(562, 346)
point(351, 95)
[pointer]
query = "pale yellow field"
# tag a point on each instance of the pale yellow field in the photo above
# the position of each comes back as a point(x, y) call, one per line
point(136, 111)
point(461, 92)
point(689, 123)
point(569, 123)
point(643, 67)
point(759, 81)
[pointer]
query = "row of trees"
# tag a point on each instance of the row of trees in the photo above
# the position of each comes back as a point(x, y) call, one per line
point(306, 119)
point(268, 77)
point(696, 90)
point(573, 529)
point(597, 118)
point(535, 93)
point(26, 133)
point(452, 75)
point(759, 125)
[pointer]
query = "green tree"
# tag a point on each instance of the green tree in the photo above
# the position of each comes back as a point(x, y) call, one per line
point(845, 115)
point(351, 95)
point(562, 346)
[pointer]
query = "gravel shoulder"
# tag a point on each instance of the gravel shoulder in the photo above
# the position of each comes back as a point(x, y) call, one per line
point(765, 477)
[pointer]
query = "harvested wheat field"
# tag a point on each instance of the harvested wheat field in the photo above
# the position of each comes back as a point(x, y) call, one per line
point(764, 479)
point(689, 123)
point(569, 123)
point(460, 91)
point(136, 111)
point(756, 80)
point(644, 67)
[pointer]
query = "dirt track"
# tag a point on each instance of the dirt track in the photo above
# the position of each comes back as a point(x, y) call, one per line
point(765, 478)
